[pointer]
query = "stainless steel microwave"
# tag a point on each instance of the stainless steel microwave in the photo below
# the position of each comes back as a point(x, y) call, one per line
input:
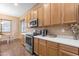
point(34, 23)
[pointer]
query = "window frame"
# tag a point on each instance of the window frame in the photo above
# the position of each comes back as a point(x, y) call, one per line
point(10, 26)
point(21, 25)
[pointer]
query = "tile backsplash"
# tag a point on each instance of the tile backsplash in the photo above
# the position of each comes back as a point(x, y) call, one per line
point(63, 30)
point(60, 30)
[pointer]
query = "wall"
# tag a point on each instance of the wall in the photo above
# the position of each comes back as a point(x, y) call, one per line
point(60, 30)
point(20, 33)
point(15, 25)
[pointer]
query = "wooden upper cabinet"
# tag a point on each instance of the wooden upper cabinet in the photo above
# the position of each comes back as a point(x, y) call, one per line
point(35, 13)
point(32, 16)
point(55, 13)
point(46, 14)
point(40, 15)
point(28, 18)
point(69, 13)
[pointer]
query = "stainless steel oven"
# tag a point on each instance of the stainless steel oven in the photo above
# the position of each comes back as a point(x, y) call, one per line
point(29, 43)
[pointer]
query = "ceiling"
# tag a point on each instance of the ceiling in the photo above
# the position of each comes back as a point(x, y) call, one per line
point(12, 10)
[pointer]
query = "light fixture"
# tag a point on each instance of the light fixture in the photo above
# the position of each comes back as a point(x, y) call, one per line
point(16, 4)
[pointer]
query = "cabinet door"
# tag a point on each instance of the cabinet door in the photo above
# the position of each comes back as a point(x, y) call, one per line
point(28, 18)
point(69, 13)
point(32, 14)
point(42, 47)
point(65, 53)
point(52, 48)
point(35, 13)
point(52, 51)
point(36, 46)
point(69, 48)
point(55, 13)
point(46, 14)
point(42, 50)
point(40, 15)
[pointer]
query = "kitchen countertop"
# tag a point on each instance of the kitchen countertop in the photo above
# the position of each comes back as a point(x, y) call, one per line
point(62, 40)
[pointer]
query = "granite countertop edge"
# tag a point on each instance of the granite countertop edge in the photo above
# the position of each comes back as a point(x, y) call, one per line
point(61, 40)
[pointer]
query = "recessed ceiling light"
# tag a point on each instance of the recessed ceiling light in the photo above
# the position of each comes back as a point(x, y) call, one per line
point(16, 4)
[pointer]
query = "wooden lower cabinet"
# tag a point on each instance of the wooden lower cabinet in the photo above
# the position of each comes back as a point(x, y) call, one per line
point(66, 53)
point(47, 48)
point(52, 48)
point(42, 47)
point(52, 51)
point(42, 50)
point(36, 46)
point(69, 48)
point(66, 50)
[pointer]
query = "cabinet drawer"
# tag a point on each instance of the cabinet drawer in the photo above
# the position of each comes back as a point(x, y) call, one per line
point(42, 42)
point(52, 44)
point(52, 52)
point(65, 53)
point(42, 50)
point(69, 48)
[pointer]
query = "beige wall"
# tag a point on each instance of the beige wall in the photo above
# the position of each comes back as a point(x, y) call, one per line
point(15, 24)
point(59, 30)
point(20, 33)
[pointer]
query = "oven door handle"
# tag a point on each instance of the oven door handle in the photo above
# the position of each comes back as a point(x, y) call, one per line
point(29, 36)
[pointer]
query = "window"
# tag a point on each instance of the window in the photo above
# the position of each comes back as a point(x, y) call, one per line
point(5, 26)
point(23, 26)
